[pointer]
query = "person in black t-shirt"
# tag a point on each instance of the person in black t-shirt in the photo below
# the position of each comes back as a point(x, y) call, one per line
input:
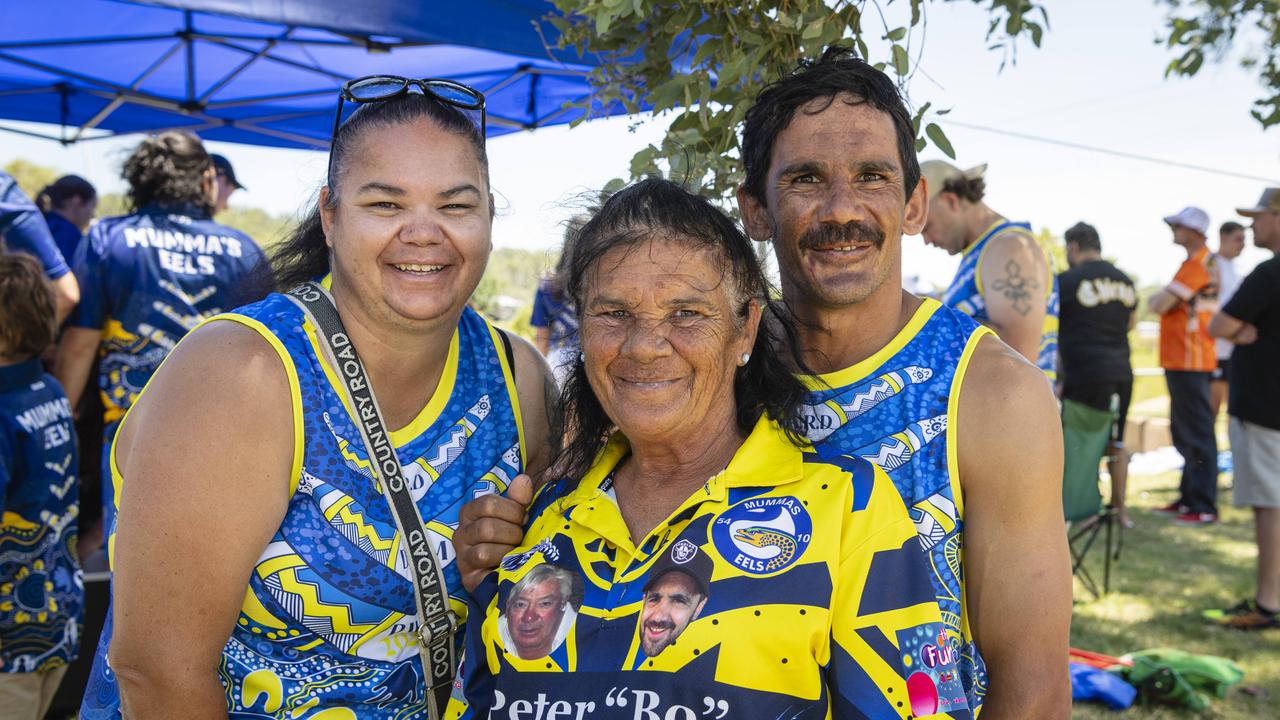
point(1097, 312)
point(1251, 320)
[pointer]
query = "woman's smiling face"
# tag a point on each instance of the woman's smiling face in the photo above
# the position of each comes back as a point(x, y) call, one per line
point(663, 333)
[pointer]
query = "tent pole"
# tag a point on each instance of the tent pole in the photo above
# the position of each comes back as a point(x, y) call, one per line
point(235, 72)
point(283, 61)
point(191, 56)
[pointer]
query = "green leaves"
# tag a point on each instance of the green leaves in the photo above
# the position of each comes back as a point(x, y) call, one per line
point(939, 138)
point(901, 64)
point(700, 63)
point(1201, 29)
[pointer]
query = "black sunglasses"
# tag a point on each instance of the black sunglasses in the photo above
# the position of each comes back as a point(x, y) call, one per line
point(377, 88)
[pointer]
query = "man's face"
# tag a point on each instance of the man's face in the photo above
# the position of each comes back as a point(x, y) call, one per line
point(945, 227)
point(834, 205)
point(80, 211)
point(1073, 254)
point(533, 616)
point(225, 188)
point(669, 606)
point(1185, 236)
point(1231, 244)
point(1266, 231)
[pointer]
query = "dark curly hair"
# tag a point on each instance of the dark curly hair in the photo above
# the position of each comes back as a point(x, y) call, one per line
point(660, 209)
point(838, 72)
point(970, 189)
point(27, 324)
point(167, 170)
point(304, 255)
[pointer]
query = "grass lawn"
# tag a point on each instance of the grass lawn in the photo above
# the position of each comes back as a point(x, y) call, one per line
point(1165, 576)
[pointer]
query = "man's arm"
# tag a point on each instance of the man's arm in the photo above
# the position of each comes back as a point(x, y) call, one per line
point(74, 361)
point(195, 515)
point(1016, 563)
point(1189, 280)
point(1016, 279)
point(1234, 329)
point(1162, 301)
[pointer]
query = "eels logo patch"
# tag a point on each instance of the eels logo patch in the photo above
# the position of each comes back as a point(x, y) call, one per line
point(763, 535)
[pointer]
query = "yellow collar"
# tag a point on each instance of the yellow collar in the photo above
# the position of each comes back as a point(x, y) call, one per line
point(766, 458)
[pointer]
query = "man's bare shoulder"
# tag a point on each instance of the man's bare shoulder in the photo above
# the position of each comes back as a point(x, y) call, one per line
point(1004, 401)
point(998, 371)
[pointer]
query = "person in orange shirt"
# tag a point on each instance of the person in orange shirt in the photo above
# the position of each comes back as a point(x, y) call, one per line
point(1188, 357)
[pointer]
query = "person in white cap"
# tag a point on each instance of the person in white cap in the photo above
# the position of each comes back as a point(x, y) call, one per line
point(1188, 356)
point(1004, 280)
point(1251, 320)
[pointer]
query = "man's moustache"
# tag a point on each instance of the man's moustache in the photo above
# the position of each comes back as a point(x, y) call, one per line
point(826, 235)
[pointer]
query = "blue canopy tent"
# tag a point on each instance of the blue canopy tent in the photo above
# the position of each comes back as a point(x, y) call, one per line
point(266, 72)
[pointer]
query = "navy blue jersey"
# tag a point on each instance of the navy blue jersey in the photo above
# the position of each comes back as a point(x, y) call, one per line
point(41, 591)
point(149, 278)
point(65, 234)
point(24, 228)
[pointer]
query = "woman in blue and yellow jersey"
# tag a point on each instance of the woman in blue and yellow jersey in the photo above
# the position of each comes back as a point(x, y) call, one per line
point(258, 570)
point(694, 560)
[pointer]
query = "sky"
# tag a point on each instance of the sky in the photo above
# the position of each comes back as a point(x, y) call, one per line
point(1098, 80)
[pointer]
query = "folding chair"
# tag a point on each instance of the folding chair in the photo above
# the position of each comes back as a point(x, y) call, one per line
point(1085, 434)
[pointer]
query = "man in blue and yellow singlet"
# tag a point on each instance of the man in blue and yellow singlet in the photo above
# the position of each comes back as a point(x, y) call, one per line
point(967, 430)
point(1004, 280)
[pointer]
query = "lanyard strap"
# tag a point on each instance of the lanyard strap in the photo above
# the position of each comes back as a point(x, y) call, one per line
point(436, 624)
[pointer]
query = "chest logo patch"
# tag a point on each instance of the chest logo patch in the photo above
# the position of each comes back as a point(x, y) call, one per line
point(764, 535)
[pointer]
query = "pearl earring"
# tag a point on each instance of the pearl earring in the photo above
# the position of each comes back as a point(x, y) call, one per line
point(745, 358)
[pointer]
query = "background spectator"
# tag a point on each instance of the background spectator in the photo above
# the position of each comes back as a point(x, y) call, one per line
point(1188, 357)
point(1098, 311)
point(1252, 321)
point(69, 204)
point(40, 589)
point(150, 277)
point(22, 229)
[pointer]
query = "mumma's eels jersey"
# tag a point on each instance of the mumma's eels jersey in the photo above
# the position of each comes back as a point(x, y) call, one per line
point(788, 586)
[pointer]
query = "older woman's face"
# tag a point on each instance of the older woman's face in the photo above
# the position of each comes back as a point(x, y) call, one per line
point(662, 338)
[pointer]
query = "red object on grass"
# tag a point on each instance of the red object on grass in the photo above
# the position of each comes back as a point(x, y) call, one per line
point(1098, 660)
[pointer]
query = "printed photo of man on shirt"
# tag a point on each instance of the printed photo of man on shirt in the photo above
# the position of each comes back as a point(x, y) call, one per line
point(674, 595)
point(540, 610)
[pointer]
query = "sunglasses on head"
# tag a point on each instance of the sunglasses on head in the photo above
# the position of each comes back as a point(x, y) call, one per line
point(377, 88)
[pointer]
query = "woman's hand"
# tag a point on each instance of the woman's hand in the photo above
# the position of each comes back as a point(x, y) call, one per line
point(489, 527)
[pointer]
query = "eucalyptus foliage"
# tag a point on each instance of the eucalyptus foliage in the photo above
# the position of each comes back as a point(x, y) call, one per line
point(1210, 29)
point(706, 60)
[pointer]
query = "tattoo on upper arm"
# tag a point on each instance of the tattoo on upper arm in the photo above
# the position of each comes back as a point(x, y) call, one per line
point(1020, 290)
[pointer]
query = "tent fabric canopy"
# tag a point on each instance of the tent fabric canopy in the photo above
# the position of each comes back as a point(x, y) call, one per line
point(267, 72)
